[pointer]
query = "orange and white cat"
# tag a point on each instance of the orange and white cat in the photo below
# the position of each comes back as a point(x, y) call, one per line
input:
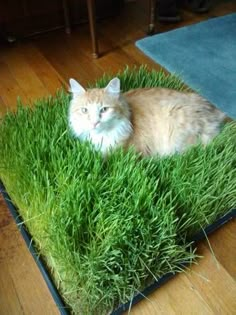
point(152, 120)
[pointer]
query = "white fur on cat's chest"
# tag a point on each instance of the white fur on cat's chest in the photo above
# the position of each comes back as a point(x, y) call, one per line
point(105, 139)
point(102, 140)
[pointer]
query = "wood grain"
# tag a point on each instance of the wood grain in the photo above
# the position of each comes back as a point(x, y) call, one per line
point(205, 288)
point(22, 289)
point(37, 68)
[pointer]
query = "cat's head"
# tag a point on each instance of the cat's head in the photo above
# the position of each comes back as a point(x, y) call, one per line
point(96, 109)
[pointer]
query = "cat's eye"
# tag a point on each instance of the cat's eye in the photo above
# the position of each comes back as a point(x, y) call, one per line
point(84, 110)
point(104, 109)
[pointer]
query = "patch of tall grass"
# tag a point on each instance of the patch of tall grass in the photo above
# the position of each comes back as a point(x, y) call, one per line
point(108, 228)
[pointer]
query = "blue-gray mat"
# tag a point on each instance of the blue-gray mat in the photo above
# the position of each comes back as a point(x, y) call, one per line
point(203, 55)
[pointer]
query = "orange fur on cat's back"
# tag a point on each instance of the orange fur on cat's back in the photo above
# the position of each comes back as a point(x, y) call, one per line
point(162, 118)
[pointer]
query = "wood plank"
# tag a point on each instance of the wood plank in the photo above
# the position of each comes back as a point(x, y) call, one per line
point(50, 78)
point(173, 298)
point(9, 300)
point(225, 251)
point(205, 288)
point(215, 284)
point(23, 74)
point(9, 88)
point(69, 62)
point(3, 108)
point(23, 289)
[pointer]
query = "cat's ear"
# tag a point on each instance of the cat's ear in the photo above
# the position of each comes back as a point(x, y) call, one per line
point(113, 87)
point(76, 88)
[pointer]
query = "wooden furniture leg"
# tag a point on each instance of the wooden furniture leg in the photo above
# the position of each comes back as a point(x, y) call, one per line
point(151, 16)
point(92, 25)
point(66, 16)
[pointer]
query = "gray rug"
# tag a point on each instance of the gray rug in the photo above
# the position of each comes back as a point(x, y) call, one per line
point(203, 55)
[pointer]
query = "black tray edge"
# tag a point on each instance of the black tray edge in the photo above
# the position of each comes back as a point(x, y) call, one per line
point(64, 310)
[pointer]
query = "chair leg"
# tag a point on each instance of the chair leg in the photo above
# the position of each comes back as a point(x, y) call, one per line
point(151, 16)
point(66, 16)
point(92, 25)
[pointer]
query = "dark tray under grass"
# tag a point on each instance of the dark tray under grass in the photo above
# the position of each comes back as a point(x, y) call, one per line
point(64, 310)
point(106, 229)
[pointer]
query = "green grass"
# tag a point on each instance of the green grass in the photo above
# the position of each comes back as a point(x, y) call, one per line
point(108, 228)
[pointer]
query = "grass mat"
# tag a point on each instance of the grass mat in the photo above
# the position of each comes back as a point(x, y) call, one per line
point(108, 228)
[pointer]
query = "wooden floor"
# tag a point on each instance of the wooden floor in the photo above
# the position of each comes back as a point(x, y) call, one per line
point(37, 68)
